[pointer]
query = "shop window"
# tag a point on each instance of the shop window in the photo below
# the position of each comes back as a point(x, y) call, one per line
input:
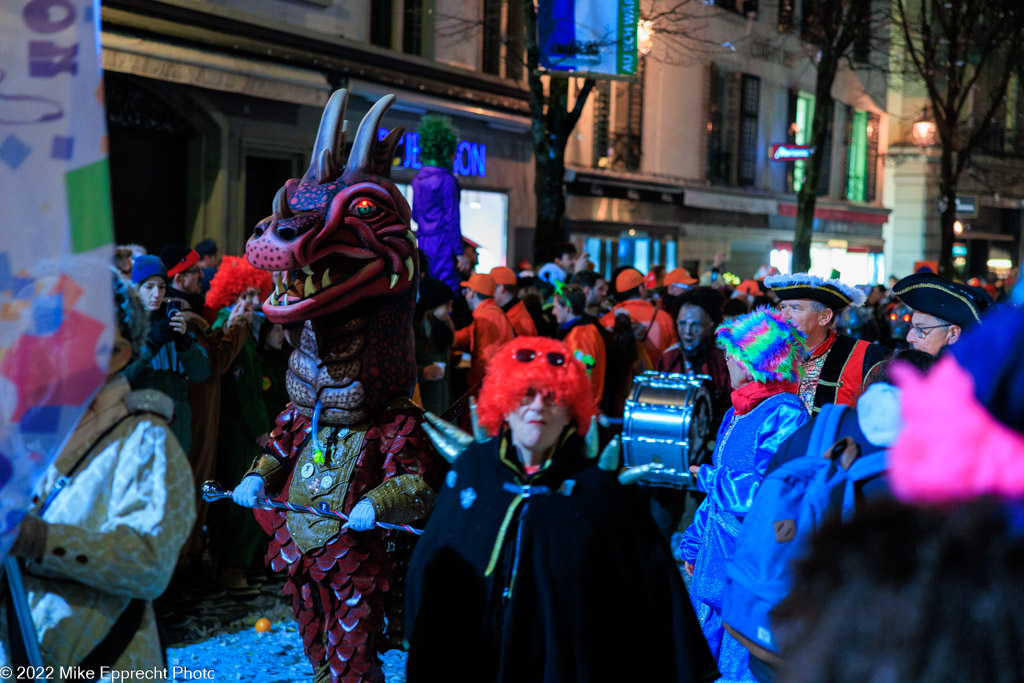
point(801, 130)
point(618, 123)
point(786, 12)
point(602, 114)
point(413, 26)
point(490, 61)
point(857, 157)
point(732, 128)
point(483, 219)
point(740, 6)
point(515, 39)
point(862, 156)
point(749, 102)
point(382, 22)
point(721, 126)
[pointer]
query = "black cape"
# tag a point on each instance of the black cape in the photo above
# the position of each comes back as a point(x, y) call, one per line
point(583, 587)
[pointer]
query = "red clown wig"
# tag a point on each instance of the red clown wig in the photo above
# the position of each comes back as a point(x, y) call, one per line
point(537, 363)
point(234, 278)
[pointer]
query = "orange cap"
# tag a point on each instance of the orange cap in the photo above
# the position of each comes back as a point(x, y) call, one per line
point(630, 278)
point(750, 288)
point(680, 276)
point(480, 283)
point(503, 275)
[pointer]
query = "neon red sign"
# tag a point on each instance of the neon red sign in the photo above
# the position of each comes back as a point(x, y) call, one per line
point(791, 152)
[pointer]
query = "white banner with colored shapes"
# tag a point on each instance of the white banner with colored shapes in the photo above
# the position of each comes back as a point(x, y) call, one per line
point(56, 303)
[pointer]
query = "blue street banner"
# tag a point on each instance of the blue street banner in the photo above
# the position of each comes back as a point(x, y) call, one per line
point(589, 36)
point(56, 308)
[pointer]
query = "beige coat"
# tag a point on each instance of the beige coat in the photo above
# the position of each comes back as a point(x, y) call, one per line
point(113, 533)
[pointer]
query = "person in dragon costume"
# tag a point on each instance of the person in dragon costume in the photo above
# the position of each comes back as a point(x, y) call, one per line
point(344, 263)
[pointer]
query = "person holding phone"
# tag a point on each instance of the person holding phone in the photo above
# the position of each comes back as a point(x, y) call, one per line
point(170, 358)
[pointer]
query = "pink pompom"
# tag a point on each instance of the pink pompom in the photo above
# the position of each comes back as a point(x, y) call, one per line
point(951, 448)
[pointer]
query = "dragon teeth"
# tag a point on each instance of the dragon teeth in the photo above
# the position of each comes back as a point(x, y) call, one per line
point(310, 288)
point(325, 281)
point(408, 267)
point(412, 238)
point(286, 298)
point(273, 299)
point(307, 270)
point(394, 279)
point(279, 283)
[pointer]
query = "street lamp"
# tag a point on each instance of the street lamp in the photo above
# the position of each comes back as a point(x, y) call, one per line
point(924, 129)
point(645, 37)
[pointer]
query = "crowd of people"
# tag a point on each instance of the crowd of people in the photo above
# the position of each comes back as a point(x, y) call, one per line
point(926, 372)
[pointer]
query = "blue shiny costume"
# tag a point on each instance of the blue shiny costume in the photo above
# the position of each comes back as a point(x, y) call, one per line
point(744, 447)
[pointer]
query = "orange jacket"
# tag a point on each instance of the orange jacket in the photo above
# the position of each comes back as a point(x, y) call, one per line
point(586, 339)
point(521, 320)
point(481, 338)
point(661, 331)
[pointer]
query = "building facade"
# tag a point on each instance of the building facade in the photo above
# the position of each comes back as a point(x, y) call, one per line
point(702, 156)
point(213, 105)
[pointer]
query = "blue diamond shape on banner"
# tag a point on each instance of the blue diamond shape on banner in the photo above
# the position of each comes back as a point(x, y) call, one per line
point(9, 282)
point(87, 16)
point(63, 147)
point(13, 151)
point(42, 420)
point(47, 314)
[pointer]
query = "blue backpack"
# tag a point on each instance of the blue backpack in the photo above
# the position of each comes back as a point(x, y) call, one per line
point(790, 506)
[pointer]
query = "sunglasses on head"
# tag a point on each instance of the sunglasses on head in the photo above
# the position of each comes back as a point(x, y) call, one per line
point(526, 355)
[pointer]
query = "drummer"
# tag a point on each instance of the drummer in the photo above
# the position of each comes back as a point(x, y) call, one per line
point(763, 352)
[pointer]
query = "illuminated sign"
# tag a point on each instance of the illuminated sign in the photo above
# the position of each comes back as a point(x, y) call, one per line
point(791, 152)
point(470, 157)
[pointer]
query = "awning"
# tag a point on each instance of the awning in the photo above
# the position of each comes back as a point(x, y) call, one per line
point(215, 71)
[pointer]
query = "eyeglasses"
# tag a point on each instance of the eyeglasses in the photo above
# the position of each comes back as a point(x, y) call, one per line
point(923, 331)
point(526, 355)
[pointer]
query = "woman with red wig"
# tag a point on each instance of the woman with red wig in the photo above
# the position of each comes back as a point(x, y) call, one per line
point(537, 564)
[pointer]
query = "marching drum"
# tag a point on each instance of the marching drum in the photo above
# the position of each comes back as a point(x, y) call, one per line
point(667, 423)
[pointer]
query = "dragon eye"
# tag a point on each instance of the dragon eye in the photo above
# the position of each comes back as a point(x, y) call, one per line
point(364, 208)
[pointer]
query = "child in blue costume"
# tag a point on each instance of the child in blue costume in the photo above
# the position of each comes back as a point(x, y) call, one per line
point(763, 353)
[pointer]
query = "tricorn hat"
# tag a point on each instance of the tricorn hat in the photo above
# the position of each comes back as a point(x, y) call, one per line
point(947, 300)
point(833, 293)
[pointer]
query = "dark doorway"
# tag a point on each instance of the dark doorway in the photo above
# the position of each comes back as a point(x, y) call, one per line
point(264, 176)
point(148, 166)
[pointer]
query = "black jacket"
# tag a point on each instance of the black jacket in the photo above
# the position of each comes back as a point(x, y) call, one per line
point(581, 586)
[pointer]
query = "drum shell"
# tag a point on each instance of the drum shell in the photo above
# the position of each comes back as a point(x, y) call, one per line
point(666, 421)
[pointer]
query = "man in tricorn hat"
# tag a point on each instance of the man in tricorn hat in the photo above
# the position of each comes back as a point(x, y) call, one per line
point(837, 365)
point(943, 309)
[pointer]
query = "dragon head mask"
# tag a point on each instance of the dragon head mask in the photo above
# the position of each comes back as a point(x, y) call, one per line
point(339, 235)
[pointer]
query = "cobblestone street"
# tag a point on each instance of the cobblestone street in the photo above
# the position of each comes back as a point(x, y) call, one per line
point(220, 637)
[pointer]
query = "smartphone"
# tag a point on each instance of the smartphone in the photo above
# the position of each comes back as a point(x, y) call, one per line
point(173, 306)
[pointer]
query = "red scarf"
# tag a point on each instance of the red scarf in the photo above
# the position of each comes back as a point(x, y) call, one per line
point(747, 397)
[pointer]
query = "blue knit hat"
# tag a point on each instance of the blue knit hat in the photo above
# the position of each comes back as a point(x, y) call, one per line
point(147, 266)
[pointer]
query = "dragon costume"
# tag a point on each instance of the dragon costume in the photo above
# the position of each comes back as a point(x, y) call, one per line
point(345, 270)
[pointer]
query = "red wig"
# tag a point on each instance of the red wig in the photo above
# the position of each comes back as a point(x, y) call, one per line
point(234, 278)
point(551, 368)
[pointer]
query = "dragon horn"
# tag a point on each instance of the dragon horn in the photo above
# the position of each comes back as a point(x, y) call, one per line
point(478, 432)
point(591, 439)
point(448, 438)
point(609, 460)
point(635, 474)
point(325, 162)
point(368, 155)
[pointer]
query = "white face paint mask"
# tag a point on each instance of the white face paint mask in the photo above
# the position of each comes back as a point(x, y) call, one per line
point(878, 414)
